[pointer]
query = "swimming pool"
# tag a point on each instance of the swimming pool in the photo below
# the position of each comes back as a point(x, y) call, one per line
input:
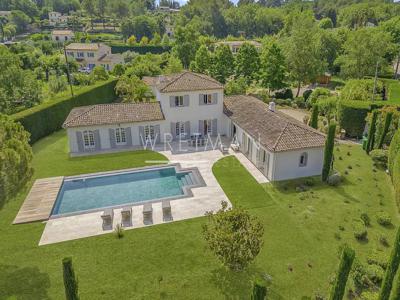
point(98, 191)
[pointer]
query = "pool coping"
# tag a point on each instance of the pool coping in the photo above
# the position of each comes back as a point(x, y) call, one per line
point(187, 189)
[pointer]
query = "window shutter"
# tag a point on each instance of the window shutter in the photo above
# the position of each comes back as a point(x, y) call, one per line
point(79, 141)
point(171, 101)
point(128, 135)
point(214, 127)
point(112, 138)
point(141, 135)
point(187, 129)
point(157, 133)
point(201, 99)
point(173, 130)
point(97, 142)
point(201, 127)
point(186, 100)
point(215, 98)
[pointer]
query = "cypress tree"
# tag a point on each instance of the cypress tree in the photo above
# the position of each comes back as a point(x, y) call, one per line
point(70, 282)
point(395, 293)
point(328, 153)
point(314, 117)
point(346, 262)
point(391, 269)
point(371, 133)
point(259, 292)
point(388, 121)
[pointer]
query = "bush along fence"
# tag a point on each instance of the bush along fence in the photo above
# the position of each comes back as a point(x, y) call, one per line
point(46, 118)
point(346, 262)
point(351, 117)
point(394, 164)
point(371, 133)
point(140, 49)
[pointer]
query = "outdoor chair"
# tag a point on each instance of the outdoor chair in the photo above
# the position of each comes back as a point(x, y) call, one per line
point(224, 149)
point(126, 216)
point(107, 217)
point(147, 213)
point(166, 208)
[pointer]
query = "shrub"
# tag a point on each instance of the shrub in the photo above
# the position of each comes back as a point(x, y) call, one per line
point(360, 231)
point(259, 292)
point(328, 152)
point(100, 73)
point(391, 269)
point(314, 117)
point(70, 282)
point(299, 101)
point(83, 79)
point(119, 231)
point(371, 132)
point(57, 84)
point(346, 262)
point(386, 126)
point(284, 94)
point(334, 179)
point(394, 149)
point(384, 219)
point(318, 93)
point(140, 49)
point(383, 240)
point(366, 219)
point(306, 94)
point(47, 118)
point(351, 117)
point(380, 158)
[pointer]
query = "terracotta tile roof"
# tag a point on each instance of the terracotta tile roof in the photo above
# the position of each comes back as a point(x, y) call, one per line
point(62, 32)
point(109, 114)
point(275, 131)
point(83, 46)
point(182, 82)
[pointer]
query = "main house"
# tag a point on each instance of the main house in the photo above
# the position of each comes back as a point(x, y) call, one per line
point(194, 104)
point(93, 54)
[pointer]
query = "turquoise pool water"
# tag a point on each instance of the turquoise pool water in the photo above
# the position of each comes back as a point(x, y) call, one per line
point(89, 193)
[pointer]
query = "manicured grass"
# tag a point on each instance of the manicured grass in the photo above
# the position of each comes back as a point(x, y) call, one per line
point(393, 90)
point(169, 261)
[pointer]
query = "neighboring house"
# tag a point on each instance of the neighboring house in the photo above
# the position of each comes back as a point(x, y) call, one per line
point(169, 30)
point(189, 103)
point(62, 36)
point(235, 45)
point(92, 55)
point(56, 18)
point(5, 13)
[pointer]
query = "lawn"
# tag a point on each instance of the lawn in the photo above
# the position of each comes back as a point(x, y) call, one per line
point(169, 261)
point(393, 90)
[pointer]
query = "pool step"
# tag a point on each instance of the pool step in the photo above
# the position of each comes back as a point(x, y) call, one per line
point(184, 181)
point(192, 178)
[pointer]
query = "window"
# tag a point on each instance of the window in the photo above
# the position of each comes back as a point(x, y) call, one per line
point(180, 129)
point(149, 133)
point(71, 54)
point(120, 136)
point(66, 38)
point(57, 38)
point(207, 127)
point(88, 139)
point(91, 66)
point(303, 160)
point(178, 101)
point(207, 99)
point(80, 54)
point(90, 54)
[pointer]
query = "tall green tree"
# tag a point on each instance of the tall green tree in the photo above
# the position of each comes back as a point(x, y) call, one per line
point(247, 62)
point(259, 292)
point(202, 61)
point(70, 281)
point(392, 27)
point(273, 68)
point(90, 8)
point(346, 262)
point(303, 52)
point(186, 44)
point(391, 269)
point(101, 7)
point(371, 132)
point(395, 293)
point(386, 126)
point(223, 63)
point(173, 66)
point(132, 89)
point(328, 152)
point(314, 116)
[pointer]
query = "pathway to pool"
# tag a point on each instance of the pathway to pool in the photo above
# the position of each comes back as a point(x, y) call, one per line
point(207, 198)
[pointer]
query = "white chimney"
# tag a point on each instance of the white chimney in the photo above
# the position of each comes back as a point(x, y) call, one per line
point(271, 106)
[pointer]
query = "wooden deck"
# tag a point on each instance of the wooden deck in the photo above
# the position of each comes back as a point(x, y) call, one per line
point(40, 200)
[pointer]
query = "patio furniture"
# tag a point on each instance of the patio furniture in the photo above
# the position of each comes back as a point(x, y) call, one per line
point(224, 149)
point(166, 208)
point(147, 213)
point(126, 216)
point(108, 216)
point(235, 147)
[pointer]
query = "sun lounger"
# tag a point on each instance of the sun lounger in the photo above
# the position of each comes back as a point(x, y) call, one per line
point(224, 149)
point(147, 213)
point(108, 216)
point(126, 216)
point(166, 208)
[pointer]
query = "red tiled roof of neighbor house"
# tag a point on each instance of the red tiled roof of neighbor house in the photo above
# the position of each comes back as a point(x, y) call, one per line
point(109, 114)
point(182, 82)
point(275, 131)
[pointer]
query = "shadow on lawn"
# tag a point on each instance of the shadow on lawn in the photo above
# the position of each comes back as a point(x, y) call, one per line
point(23, 283)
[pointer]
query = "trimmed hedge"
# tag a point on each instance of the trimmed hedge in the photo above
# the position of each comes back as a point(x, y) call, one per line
point(140, 49)
point(371, 133)
point(394, 149)
point(396, 178)
point(351, 117)
point(70, 281)
point(44, 119)
point(391, 269)
point(328, 152)
point(314, 117)
point(346, 262)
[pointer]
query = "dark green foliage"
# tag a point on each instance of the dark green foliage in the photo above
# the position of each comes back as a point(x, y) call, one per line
point(70, 282)
point(394, 149)
point(314, 117)
point(47, 118)
point(395, 293)
point(259, 292)
point(346, 262)
point(140, 49)
point(371, 132)
point(391, 269)
point(396, 178)
point(328, 154)
point(379, 157)
point(351, 117)
point(284, 94)
point(388, 121)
